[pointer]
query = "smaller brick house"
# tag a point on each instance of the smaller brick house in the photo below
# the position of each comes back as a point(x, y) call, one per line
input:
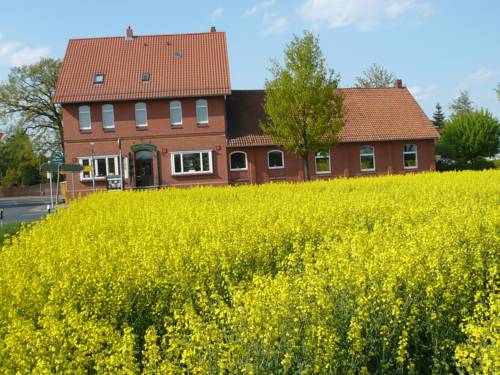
point(159, 110)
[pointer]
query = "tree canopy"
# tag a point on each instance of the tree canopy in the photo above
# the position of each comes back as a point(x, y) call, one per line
point(498, 91)
point(305, 110)
point(438, 117)
point(19, 163)
point(462, 103)
point(469, 136)
point(375, 76)
point(26, 99)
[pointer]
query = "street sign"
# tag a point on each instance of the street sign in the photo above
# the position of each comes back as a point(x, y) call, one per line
point(70, 167)
point(48, 167)
point(57, 157)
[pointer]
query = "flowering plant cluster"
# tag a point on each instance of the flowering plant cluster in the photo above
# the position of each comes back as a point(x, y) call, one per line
point(387, 275)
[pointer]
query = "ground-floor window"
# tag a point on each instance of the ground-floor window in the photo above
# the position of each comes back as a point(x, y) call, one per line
point(238, 161)
point(410, 156)
point(367, 158)
point(322, 161)
point(188, 162)
point(103, 166)
point(275, 159)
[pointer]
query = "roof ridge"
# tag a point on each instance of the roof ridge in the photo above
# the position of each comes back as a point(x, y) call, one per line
point(149, 35)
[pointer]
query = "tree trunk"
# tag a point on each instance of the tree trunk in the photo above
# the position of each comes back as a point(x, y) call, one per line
point(306, 166)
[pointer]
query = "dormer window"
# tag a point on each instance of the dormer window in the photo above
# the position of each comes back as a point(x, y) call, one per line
point(145, 77)
point(99, 78)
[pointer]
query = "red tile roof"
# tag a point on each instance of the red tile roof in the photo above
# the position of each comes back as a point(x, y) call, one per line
point(201, 70)
point(372, 115)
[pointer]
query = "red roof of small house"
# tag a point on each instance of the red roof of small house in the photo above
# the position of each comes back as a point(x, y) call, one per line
point(372, 115)
point(1, 136)
point(179, 65)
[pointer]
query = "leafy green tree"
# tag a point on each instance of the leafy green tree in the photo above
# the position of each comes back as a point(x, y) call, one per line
point(462, 103)
point(18, 161)
point(498, 91)
point(375, 76)
point(304, 109)
point(26, 98)
point(468, 137)
point(438, 117)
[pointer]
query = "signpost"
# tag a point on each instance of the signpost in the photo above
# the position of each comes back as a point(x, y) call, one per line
point(56, 165)
point(57, 158)
point(49, 168)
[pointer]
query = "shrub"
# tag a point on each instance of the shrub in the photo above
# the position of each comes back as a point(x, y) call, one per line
point(383, 275)
point(470, 136)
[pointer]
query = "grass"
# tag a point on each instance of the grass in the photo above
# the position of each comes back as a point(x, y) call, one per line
point(8, 229)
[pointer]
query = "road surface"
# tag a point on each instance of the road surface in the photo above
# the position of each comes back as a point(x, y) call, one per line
point(23, 208)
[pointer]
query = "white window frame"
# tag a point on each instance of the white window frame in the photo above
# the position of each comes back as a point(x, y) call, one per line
point(231, 164)
point(327, 156)
point(84, 109)
point(282, 159)
point(175, 105)
point(108, 108)
point(96, 158)
point(201, 104)
point(181, 153)
point(99, 79)
point(409, 153)
point(138, 108)
point(372, 154)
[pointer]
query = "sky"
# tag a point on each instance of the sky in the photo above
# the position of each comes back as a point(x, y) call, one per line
point(437, 48)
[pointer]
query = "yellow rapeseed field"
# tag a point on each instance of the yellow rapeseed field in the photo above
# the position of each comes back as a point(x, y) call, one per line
point(387, 275)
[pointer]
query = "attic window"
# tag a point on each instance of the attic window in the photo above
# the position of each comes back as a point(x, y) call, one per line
point(177, 54)
point(99, 78)
point(145, 77)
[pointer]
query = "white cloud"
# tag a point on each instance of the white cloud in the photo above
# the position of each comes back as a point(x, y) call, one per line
point(258, 7)
point(13, 53)
point(217, 13)
point(421, 93)
point(483, 74)
point(274, 25)
point(365, 15)
point(250, 11)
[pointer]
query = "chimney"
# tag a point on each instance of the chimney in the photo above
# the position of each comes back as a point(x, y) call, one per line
point(398, 84)
point(130, 33)
point(213, 29)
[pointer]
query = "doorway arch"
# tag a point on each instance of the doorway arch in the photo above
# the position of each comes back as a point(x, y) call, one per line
point(144, 176)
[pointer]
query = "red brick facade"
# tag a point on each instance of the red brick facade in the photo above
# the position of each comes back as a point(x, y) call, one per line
point(198, 152)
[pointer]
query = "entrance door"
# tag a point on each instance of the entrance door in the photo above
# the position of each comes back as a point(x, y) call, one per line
point(143, 168)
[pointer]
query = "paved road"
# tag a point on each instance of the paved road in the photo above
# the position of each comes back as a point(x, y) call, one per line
point(24, 208)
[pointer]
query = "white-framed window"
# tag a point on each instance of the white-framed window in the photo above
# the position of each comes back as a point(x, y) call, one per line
point(176, 113)
point(238, 161)
point(141, 115)
point(202, 111)
point(275, 159)
point(106, 165)
point(191, 162)
point(99, 78)
point(410, 156)
point(84, 117)
point(108, 116)
point(367, 158)
point(322, 162)
point(126, 172)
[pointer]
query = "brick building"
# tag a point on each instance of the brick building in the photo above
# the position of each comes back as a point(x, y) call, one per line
point(160, 110)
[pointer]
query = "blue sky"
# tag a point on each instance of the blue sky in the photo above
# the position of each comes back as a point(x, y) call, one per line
point(437, 47)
